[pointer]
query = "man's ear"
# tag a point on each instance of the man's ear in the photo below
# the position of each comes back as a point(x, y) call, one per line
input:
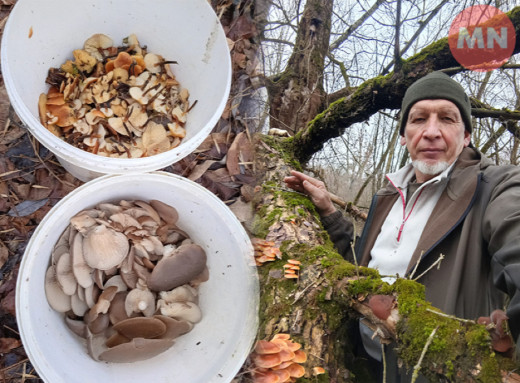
point(403, 141)
point(467, 138)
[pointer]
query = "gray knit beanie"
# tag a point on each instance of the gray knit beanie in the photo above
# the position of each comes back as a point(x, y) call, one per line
point(436, 85)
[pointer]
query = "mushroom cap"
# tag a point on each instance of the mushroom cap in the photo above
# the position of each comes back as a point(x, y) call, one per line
point(116, 311)
point(296, 370)
point(184, 293)
point(136, 350)
point(186, 263)
point(139, 300)
point(96, 323)
point(64, 274)
point(57, 299)
point(141, 327)
point(267, 360)
point(78, 306)
point(300, 356)
point(183, 311)
point(266, 347)
point(266, 376)
point(104, 248)
point(174, 327)
point(81, 270)
point(116, 339)
point(76, 326)
point(166, 212)
point(381, 305)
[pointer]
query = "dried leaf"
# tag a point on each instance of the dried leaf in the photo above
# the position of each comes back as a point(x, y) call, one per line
point(26, 208)
point(8, 344)
point(240, 151)
point(200, 169)
point(8, 304)
point(4, 107)
point(243, 28)
point(224, 192)
point(4, 254)
point(239, 59)
point(242, 210)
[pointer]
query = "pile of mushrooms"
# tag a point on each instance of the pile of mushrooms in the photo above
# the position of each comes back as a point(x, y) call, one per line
point(126, 278)
point(119, 102)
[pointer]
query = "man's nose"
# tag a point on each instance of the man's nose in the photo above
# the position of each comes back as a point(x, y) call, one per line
point(432, 128)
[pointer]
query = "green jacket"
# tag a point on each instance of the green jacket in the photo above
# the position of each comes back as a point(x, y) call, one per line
point(475, 225)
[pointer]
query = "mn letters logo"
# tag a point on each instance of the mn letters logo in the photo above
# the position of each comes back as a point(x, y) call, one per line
point(482, 38)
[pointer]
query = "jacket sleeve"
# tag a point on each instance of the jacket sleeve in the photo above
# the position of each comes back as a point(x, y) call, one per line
point(501, 228)
point(341, 231)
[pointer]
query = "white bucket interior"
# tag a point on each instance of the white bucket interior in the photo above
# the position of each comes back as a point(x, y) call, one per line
point(217, 346)
point(42, 34)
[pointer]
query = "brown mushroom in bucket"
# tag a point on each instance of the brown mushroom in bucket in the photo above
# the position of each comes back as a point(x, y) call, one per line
point(136, 350)
point(186, 263)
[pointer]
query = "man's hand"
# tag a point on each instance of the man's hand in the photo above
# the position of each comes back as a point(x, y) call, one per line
point(315, 189)
point(496, 324)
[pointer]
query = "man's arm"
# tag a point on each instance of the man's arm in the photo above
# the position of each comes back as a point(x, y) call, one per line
point(502, 232)
point(340, 229)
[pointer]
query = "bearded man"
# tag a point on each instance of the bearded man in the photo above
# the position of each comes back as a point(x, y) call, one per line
point(449, 201)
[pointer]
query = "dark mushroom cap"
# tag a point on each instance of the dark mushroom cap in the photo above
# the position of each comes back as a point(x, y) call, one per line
point(136, 350)
point(186, 263)
point(174, 327)
point(140, 327)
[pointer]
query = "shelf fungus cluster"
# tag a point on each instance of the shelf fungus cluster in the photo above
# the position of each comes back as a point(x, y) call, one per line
point(265, 251)
point(121, 102)
point(278, 360)
point(126, 278)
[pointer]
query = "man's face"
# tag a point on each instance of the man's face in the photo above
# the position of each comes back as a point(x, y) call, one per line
point(434, 133)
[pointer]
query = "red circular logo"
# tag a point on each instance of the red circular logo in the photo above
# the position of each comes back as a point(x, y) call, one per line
point(482, 38)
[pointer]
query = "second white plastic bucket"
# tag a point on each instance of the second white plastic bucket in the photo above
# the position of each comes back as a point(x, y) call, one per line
point(42, 34)
point(217, 346)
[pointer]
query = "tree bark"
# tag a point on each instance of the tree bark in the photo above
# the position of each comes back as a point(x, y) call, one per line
point(297, 94)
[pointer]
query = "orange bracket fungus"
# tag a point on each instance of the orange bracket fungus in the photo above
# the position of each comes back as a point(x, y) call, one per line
point(265, 251)
point(277, 360)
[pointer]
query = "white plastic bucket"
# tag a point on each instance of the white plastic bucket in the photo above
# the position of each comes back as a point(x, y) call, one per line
point(42, 34)
point(217, 346)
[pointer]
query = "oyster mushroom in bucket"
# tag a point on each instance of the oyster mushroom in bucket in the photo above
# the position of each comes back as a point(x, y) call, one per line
point(102, 240)
point(211, 350)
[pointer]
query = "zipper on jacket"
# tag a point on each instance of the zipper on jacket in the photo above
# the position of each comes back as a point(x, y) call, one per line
point(462, 217)
point(403, 200)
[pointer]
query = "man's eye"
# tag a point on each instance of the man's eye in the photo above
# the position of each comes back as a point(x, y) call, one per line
point(417, 119)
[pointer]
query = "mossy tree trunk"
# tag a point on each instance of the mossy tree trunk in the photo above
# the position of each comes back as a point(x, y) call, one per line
point(330, 293)
point(297, 95)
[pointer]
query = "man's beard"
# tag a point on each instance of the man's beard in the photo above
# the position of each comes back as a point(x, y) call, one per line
point(430, 169)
